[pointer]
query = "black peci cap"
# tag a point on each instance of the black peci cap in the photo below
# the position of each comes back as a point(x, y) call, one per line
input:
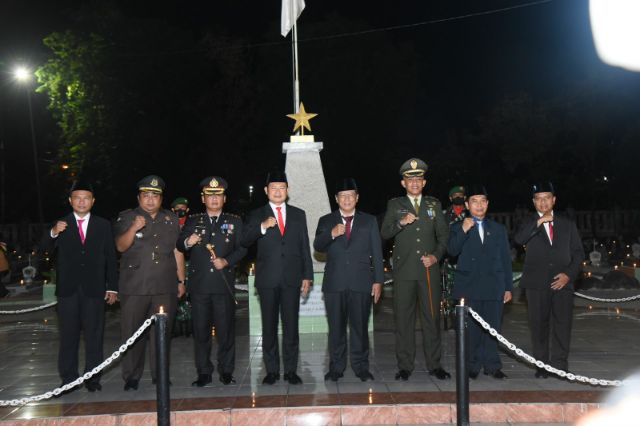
point(346, 184)
point(476, 189)
point(81, 185)
point(276, 176)
point(542, 187)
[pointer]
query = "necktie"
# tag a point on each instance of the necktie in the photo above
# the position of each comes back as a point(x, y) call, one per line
point(348, 221)
point(481, 231)
point(416, 206)
point(80, 222)
point(213, 219)
point(280, 220)
point(551, 232)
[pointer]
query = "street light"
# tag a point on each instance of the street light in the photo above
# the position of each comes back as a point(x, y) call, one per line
point(24, 75)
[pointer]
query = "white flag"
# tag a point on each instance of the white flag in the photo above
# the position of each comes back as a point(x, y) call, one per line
point(291, 10)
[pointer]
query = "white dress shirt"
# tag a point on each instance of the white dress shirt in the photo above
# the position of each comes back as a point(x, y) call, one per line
point(546, 226)
point(283, 211)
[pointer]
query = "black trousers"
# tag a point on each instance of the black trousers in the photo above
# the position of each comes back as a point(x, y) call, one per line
point(353, 308)
point(283, 302)
point(78, 313)
point(217, 310)
point(483, 348)
point(550, 320)
point(134, 310)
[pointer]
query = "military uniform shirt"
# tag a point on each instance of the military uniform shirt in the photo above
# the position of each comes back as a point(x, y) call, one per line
point(149, 265)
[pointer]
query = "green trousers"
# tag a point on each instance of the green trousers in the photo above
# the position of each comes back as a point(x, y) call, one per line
point(411, 297)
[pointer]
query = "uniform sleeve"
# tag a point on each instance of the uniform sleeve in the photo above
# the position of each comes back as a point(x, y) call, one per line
point(122, 223)
point(185, 233)
point(239, 251)
point(323, 237)
point(442, 233)
point(390, 224)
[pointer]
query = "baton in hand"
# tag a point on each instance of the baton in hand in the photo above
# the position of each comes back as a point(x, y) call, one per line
point(224, 277)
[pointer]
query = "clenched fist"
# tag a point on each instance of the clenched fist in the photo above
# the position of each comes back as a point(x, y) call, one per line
point(269, 222)
point(338, 230)
point(138, 223)
point(193, 240)
point(408, 219)
point(467, 224)
point(59, 227)
point(546, 218)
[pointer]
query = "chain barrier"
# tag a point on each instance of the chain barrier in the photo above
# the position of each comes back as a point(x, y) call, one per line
point(598, 299)
point(519, 352)
point(86, 376)
point(24, 311)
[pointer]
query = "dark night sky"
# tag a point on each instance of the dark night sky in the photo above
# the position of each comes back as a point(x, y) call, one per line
point(461, 69)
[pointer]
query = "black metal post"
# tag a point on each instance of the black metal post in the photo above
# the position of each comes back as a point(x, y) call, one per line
point(162, 364)
point(462, 376)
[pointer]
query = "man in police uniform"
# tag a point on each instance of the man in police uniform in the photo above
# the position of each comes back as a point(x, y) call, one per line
point(213, 239)
point(420, 232)
point(151, 272)
point(457, 211)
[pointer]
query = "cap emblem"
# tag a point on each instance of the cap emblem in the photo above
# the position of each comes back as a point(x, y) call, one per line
point(154, 182)
point(414, 164)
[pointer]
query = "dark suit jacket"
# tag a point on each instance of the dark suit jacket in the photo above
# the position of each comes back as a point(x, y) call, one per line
point(544, 260)
point(281, 260)
point(484, 270)
point(92, 266)
point(225, 236)
point(354, 264)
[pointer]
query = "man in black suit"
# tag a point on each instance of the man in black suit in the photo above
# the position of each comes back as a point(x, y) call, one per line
point(354, 272)
point(213, 239)
point(283, 270)
point(86, 276)
point(483, 278)
point(552, 263)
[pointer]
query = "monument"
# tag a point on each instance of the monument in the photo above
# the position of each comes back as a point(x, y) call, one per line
point(307, 190)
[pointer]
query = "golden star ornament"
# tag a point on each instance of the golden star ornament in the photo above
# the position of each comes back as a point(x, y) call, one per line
point(302, 118)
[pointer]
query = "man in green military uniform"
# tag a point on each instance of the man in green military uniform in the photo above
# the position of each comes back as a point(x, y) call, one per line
point(151, 272)
point(420, 232)
point(457, 211)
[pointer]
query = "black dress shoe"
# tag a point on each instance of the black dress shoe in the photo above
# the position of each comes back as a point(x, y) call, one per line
point(227, 378)
point(473, 374)
point(203, 380)
point(333, 376)
point(403, 375)
point(270, 378)
point(131, 384)
point(93, 386)
point(498, 374)
point(541, 373)
point(292, 378)
point(439, 373)
point(365, 375)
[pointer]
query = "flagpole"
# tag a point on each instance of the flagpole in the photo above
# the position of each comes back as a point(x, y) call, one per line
point(296, 78)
